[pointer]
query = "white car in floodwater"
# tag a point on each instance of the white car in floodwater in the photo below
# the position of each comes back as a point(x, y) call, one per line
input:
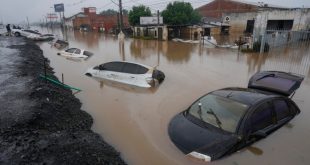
point(128, 73)
point(41, 37)
point(75, 53)
point(24, 32)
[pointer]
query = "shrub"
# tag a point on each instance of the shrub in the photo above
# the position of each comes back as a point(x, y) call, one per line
point(257, 45)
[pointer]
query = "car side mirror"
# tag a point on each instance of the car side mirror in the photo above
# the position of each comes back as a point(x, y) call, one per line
point(258, 134)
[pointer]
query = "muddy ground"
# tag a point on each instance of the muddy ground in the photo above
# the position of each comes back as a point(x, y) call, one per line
point(41, 123)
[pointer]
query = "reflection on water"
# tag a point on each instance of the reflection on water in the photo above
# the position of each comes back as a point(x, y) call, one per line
point(143, 49)
point(135, 121)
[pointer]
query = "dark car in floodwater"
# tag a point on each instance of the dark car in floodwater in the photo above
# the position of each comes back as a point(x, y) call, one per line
point(227, 120)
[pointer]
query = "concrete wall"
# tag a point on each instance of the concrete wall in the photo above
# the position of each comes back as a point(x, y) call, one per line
point(301, 19)
point(151, 32)
point(238, 21)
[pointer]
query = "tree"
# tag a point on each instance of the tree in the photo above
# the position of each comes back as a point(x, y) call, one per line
point(109, 12)
point(125, 12)
point(180, 13)
point(137, 12)
point(113, 12)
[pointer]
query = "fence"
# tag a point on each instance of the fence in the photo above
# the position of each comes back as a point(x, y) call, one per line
point(287, 51)
point(281, 38)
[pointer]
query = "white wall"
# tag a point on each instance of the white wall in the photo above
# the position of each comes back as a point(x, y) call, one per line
point(301, 19)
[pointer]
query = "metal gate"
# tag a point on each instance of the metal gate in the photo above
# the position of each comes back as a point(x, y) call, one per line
point(283, 38)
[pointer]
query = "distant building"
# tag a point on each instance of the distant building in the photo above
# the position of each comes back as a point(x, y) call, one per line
point(235, 16)
point(90, 20)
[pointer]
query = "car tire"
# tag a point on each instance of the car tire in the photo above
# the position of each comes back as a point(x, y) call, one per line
point(88, 74)
point(17, 34)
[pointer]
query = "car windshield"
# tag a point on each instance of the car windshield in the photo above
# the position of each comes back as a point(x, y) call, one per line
point(219, 111)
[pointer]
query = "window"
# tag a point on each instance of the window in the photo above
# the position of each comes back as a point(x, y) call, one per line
point(87, 53)
point(142, 70)
point(31, 31)
point(262, 117)
point(130, 68)
point(134, 69)
point(218, 111)
point(77, 51)
point(112, 66)
point(281, 108)
point(70, 50)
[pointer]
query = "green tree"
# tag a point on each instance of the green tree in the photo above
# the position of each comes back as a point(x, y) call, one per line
point(180, 13)
point(125, 12)
point(136, 12)
point(109, 12)
point(113, 12)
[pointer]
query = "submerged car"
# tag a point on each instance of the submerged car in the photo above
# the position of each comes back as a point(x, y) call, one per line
point(25, 32)
point(41, 37)
point(128, 73)
point(75, 53)
point(227, 120)
point(60, 44)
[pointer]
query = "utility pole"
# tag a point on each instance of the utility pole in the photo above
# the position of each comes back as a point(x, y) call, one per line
point(157, 24)
point(27, 23)
point(121, 35)
point(121, 15)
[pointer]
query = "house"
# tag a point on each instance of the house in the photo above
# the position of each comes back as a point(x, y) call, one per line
point(213, 12)
point(152, 28)
point(69, 21)
point(90, 20)
point(235, 16)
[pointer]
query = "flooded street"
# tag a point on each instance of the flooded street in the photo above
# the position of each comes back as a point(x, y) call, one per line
point(135, 120)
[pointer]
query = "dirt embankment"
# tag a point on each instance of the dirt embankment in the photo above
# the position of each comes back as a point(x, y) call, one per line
point(41, 123)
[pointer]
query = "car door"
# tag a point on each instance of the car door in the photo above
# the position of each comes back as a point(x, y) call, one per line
point(261, 122)
point(129, 71)
point(111, 71)
point(24, 33)
point(284, 111)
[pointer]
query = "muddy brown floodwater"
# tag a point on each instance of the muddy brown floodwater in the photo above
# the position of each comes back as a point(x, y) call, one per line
point(135, 120)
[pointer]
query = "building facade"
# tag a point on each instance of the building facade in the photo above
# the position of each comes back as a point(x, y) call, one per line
point(243, 17)
point(90, 20)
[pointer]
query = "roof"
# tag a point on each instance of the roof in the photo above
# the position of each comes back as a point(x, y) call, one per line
point(243, 95)
point(260, 4)
point(68, 18)
point(256, 4)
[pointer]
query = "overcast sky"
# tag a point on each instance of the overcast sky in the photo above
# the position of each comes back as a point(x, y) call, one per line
point(16, 11)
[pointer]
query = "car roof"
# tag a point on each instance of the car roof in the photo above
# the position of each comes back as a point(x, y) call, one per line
point(127, 62)
point(244, 95)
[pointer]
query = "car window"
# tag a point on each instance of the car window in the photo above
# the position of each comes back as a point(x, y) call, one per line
point(77, 51)
point(112, 66)
point(71, 50)
point(281, 109)
point(262, 117)
point(218, 111)
point(130, 68)
point(142, 69)
point(87, 53)
point(31, 31)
